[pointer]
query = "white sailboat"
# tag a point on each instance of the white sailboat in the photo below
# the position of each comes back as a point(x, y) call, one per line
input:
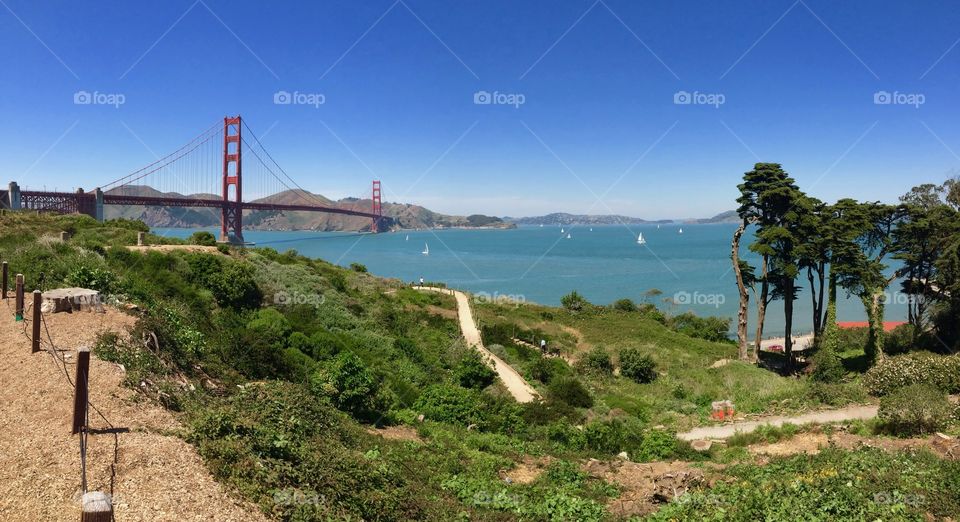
point(408, 237)
point(561, 230)
point(658, 227)
point(541, 225)
point(591, 229)
point(426, 249)
point(681, 230)
point(568, 236)
point(640, 240)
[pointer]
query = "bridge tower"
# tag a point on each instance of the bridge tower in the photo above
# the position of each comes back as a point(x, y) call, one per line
point(377, 207)
point(231, 213)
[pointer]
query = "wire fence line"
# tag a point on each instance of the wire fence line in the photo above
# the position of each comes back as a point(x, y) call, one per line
point(61, 363)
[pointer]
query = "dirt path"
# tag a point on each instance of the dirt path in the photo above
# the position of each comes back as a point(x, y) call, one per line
point(820, 417)
point(158, 475)
point(514, 382)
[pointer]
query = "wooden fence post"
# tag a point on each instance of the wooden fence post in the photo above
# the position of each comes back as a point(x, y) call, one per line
point(18, 308)
point(81, 391)
point(141, 238)
point(97, 507)
point(37, 298)
point(4, 282)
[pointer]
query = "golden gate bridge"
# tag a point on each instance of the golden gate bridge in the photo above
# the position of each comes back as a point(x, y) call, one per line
point(211, 167)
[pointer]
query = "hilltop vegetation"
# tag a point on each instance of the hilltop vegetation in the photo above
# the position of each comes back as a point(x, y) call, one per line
point(321, 392)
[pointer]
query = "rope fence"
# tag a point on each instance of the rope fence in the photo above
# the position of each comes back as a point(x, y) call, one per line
point(96, 506)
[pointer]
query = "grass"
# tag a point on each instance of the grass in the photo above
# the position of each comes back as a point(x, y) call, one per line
point(680, 397)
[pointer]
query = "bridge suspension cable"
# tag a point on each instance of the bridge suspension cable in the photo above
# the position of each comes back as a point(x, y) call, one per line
point(204, 137)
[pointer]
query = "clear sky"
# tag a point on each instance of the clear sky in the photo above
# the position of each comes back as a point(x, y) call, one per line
point(598, 129)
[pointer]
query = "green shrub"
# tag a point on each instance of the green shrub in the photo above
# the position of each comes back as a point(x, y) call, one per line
point(709, 328)
point(827, 366)
point(597, 360)
point(899, 371)
point(546, 369)
point(914, 410)
point(574, 301)
point(656, 445)
point(900, 340)
point(463, 407)
point(350, 385)
point(571, 391)
point(473, 372)
point(613, 436)
point(637, 365)
point(358, 267)
point(202, 238)
point(625, 305)
point(450, 404)
point(94, 278)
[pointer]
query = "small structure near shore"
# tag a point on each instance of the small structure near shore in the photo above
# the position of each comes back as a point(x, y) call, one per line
point(71, 300)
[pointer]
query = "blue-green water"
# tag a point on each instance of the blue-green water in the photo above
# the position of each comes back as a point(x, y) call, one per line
point(540, 264)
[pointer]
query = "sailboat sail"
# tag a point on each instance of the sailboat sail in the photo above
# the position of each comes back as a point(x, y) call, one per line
point(426, 249)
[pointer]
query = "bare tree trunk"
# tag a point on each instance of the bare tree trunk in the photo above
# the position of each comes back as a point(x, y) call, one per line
point(813, 303)
point(742, 353)
point(788, 325)
point(761, 308)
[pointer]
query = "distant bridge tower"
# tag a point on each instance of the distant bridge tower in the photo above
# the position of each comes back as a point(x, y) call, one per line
point(377, 207)
point(231, 214)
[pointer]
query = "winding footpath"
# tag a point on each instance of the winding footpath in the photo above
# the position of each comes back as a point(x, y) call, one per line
point(516, 385)
point(819, 417)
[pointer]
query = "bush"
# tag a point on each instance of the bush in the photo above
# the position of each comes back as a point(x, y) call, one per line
point(474, 372)
point(915, 410)
point(637, 366)
point(571, 391)
point(597, 360)
point(546, 369)
point(656, 445)
point(574, 301)
point(450, 404)
point(202, 238)
point(613, 436)
point(708, 328)
point(350, 386)
point(894, 373)
point(625, 305)
point(827, 366)
point(900, 339)
point(357, 267)
point(96, 278)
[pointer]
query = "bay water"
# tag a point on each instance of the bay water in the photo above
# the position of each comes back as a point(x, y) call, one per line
point(692, 269)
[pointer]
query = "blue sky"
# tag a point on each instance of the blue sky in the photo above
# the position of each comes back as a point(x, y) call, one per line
point(598, 130)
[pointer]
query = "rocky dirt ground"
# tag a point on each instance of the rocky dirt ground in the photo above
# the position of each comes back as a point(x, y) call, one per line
point(157, 476)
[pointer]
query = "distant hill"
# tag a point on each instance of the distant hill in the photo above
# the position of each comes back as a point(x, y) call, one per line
point(406, 215)
point(562, 218)
point(729, 216)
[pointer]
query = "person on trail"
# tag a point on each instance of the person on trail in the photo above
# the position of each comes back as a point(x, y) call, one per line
point(421, 281)
point(543, 346)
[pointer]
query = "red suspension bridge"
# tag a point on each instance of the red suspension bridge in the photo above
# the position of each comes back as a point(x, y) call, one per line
point(217, 178)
